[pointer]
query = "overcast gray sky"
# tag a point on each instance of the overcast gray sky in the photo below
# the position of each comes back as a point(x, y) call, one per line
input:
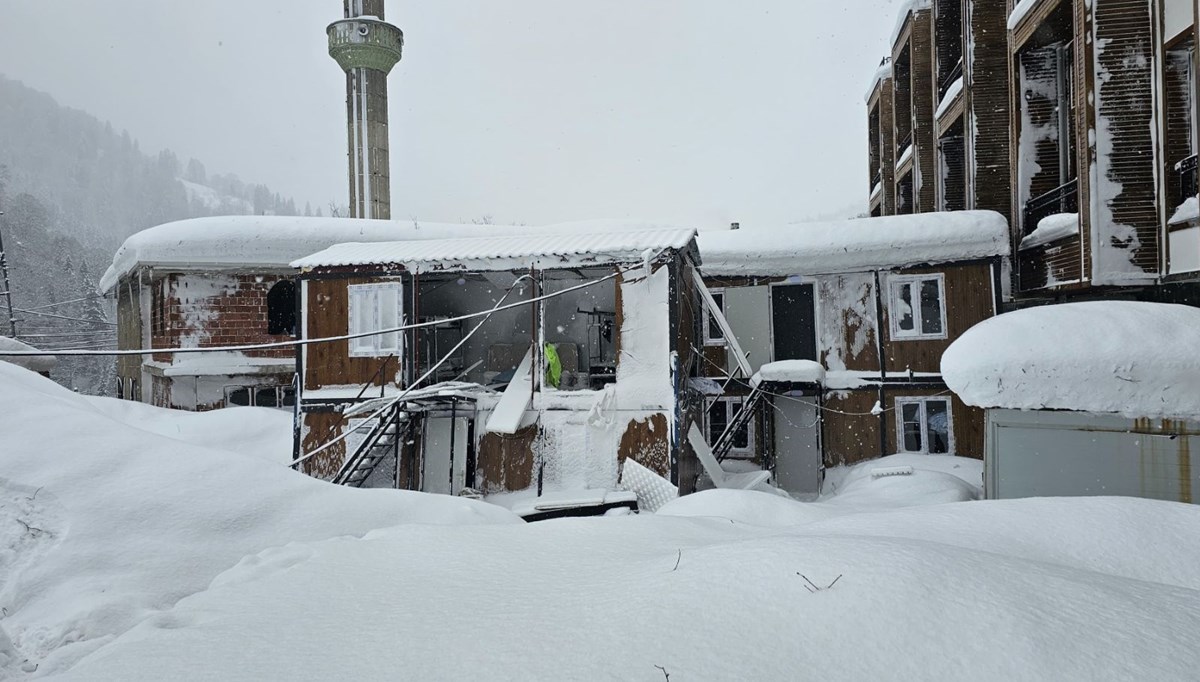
point(687, 111)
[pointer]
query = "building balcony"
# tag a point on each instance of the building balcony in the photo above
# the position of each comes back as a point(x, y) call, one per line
point(363, 43)
point(1062, 199)
point(952, 76)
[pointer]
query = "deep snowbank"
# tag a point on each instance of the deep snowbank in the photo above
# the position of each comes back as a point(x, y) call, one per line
point(101, 523)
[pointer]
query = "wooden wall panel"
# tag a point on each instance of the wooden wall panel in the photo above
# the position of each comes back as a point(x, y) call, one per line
point(1125, 108)
point(330, 364)
point(505, 462)
point(320, 428)
point(966, 306)
point(647, 442)
point(849, 432)
point(987, 92)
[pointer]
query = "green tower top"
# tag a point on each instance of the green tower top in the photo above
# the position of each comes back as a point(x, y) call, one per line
point(365, 43)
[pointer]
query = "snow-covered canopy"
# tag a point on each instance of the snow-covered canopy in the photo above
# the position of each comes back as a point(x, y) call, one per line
point(1129, 358)
point(33, 363)
point(561, 248)
point(795, 371)
point(855, 245)
point(266, 242)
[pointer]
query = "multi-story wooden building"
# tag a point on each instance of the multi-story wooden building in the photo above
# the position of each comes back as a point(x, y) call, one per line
point(1076, 119)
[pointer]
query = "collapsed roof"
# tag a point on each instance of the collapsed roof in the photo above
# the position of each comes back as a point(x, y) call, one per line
point(563, 248)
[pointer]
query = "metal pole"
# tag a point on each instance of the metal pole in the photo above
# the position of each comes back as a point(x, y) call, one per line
point(12, 321)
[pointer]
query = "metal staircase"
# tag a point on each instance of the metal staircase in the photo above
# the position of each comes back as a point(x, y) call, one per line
point(751, 405)
point(388, 434)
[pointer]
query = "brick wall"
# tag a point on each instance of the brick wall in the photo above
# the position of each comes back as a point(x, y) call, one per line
point(204, 311)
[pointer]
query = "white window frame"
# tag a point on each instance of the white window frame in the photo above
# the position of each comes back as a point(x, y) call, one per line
point(709, 340)
point(366, 300)
point(730, 401)
point(895, 282)
point(924, 417)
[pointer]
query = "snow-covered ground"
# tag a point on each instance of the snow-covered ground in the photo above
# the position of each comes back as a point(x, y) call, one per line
point(128, 554)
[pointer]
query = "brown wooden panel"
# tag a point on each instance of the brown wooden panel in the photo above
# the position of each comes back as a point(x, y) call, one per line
point(832, 290)
point(330, 364)
point(505, 462)
point(320, 428)
point(970, 300)
point(988, 101)
point(849, 432)
point(647, 442)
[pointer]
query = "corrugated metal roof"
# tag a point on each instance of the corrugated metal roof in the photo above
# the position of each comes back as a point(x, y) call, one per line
point(505, 252)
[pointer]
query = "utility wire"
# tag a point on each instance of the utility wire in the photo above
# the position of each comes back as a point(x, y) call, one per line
point(63, 317)
point(393, 402)
point(312, 342)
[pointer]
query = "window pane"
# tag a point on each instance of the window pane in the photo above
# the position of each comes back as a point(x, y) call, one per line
point(741, 437)
point(904, 311)
point(289, 397)
point(714, 329)
point(911, 423)
point(238, 396)
point(938, 420)
point(266, 397)
point(931, 307)
point(718, 417)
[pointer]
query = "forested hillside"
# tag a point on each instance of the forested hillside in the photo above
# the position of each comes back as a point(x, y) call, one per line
point(72, 188)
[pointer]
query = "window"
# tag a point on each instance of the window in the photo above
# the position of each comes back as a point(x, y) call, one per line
point(721, 411)
point(260, 396)
point(158, 308)
point(713, 334)
point(917, 309)
point(374, 307)
point(924, 426)
point(281, 308)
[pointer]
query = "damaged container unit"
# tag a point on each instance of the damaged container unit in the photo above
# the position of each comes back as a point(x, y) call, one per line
point(874, 301)
point(1085, 399)
point(226, 281)
point(523, 361)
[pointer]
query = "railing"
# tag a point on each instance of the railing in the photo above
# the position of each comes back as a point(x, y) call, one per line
point(955, 73)
point(1187, 178)
point(877, 179)
point(1062, 199)
point(902, 145)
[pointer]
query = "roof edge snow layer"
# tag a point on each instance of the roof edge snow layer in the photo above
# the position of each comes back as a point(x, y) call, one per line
point(859, 245)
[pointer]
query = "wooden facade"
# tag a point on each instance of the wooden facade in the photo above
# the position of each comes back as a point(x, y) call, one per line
point(853, 326)
point(1082, 108)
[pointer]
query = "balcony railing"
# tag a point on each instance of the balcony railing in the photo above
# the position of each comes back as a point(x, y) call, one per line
point(1063, 199)
point(953, 75)
point(1187, 178)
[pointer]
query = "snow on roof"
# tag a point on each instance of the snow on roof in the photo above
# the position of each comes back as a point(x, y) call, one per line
point(33, 363)
point(1020, 11)
point(907, 9)
point(884, 72)
point(855, 245)
point(1130, 358)
point(239, 242)
point(558, 248)
point(952, 93)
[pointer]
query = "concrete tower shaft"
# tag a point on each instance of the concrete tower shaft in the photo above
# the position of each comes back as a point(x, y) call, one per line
point(366, 47)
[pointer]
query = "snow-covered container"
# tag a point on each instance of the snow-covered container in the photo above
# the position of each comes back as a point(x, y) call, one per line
point(575, 345)
point(1097, 398)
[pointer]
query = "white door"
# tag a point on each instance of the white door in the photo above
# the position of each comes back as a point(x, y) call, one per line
point(797, 445)
point(445, 448)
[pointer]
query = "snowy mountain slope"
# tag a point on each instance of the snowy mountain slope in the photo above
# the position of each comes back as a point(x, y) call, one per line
point(103, 524)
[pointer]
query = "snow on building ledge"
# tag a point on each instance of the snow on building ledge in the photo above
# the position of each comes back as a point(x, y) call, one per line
point(563, 248)
point(41, 364)
point(859, 245)
point(790, 371)
point(1134, 359)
